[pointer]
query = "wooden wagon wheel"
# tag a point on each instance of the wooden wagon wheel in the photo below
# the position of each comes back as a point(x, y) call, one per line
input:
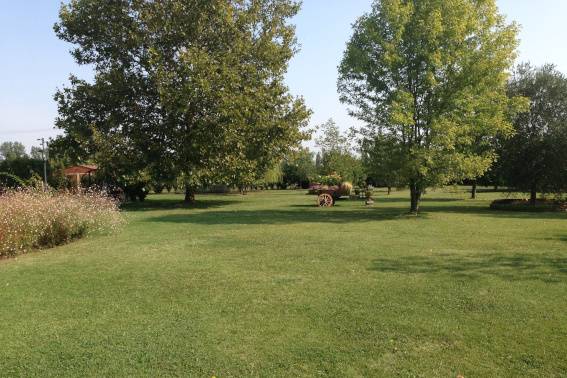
point(325, 200)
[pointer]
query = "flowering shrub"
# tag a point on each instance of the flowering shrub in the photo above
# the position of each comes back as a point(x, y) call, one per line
point(35, 219)
point(331, 180)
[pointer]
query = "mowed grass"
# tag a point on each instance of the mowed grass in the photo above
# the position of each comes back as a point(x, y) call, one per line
point(269, 285)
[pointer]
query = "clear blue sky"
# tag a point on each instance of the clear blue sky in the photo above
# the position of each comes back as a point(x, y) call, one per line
point(33, 62)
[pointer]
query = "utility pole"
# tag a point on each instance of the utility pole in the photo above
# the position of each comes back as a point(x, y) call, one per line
point(44, 156)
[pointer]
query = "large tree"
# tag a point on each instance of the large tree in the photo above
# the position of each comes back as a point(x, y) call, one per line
point(535, 159)
point(199, 84)
point(430, 76)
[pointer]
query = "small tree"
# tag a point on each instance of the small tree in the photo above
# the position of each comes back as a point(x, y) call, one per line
point(535, 159)
point(431, 77)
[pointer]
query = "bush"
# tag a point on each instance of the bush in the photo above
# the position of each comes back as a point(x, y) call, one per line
point(32, 219)
point(8, 180)
point(331, 180)
point(526, 205)
point(136, 191)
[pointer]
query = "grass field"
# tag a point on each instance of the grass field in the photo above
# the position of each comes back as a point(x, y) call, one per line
point(269, 285)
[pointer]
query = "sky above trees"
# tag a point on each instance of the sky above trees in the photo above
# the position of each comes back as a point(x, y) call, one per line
point(34, 62)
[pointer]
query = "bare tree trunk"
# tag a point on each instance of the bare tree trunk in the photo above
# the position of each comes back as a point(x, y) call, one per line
point(473, 190)
point(415, 192)
point(389, 190)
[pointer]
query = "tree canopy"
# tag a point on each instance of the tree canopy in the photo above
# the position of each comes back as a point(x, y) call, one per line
point(198, 84)
point(535, 159)
point(337, 154)
point(12, 151)
point(430, 78)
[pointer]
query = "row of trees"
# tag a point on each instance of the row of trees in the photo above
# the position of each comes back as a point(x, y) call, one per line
point(16, 161)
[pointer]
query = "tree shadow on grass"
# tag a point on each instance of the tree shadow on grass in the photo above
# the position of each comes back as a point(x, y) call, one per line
point(424, 201)
point(309, 213)
point(176, 203)
point(486, 211)
point(519, 267)
point(282, 216)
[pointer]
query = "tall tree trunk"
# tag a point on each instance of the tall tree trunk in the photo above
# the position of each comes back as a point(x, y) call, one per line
point(473, 190)
point(189, 194)
point(389, 190)
point(533, 195)
point(415, 192)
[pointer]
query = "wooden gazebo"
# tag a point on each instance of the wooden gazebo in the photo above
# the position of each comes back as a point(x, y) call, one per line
point(76, 173)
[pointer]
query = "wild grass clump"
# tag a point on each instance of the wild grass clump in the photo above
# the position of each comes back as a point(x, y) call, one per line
point(31, 219)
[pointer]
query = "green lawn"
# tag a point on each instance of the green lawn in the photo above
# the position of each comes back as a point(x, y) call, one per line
point(269, 285)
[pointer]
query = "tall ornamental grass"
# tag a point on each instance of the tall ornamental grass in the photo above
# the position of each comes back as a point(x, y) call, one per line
point(31, 219)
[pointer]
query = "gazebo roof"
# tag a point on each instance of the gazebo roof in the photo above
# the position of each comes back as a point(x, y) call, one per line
point(82, 169)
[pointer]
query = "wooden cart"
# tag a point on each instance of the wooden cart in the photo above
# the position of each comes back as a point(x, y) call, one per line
point(328, 197)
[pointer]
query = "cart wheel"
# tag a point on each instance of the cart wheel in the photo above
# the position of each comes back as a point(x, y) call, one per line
point(325, 200)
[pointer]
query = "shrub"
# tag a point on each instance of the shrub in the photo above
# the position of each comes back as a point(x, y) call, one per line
point(526, 205)
point(34, 219)
point(331, 180)
point(8, 180)
point(136, 191)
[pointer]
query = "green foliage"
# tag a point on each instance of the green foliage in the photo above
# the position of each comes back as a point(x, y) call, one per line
point(272, 177)
point(12, 151)
point(529, 206)
point(330, 180)
point(8, 180)
point(336, 156)
point(299, 168)
point(37, 153)
point(23, 167)
point(382, 159)
point(535, 159)
point(430, 77)
point(200, 86)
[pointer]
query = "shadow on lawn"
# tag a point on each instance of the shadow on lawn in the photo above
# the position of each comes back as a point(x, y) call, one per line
point(309, 213)
point(424, 201)
point(485, 211)
point(176, 203)
point(273, 217)
point(523, 267)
